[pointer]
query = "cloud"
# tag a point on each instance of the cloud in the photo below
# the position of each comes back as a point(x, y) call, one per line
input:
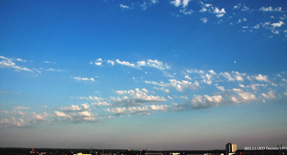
point(83, 78)
point(270, 9)
point(101, 104)
point(183, 3)
point(279, 24)
point(20, 60)
point(239, 76)
point(8, 63)
point(212, 9)
point(71, 109)
point(227, 76)
point(178, 85)
point(76, 114)
point(55, 70)
point(159, 107)
point(125, 63)
point(13, 122)
point(21, 108)
point(135, 97)
point(181, 85)
point(111, 62)
point(219, 12)
point(139, 110)
point(39, 117)
point(204, 20)
point(157, 64)
point(117, 111)
point(261, 77)
point(243, 7)
point(245, 96)
point(98, 62)
point(86, 106)
point(49, 62)
point(176, 3)
point(124, 6)
point(207, 79)
point(206, 101)
point(270, 95)
point(63, 115)
point(91, 98)
point(219, 87)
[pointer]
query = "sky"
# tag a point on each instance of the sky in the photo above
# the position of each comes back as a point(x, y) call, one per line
point(155, 74)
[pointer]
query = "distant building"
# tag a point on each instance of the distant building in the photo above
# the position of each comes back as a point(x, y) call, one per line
point(81, 154)
point(153, 154)
point(231, 148)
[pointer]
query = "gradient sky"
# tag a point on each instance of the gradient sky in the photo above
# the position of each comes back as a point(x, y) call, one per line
point(156, 74)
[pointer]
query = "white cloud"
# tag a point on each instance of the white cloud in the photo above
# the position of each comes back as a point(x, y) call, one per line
point(154, 1)
point(21, 108)
point(83, 78)
point(219, 12)
point(181, 85)
point(140, 110)
point(159, 107)
point(20, 60)
point(91, 98)
point(227, 76)
point(71, 109)
point(117, 111)
point(101, 104)
point(219, 87)
point(270, 9)
point(270, 95)
point(206, 101)
point(13, 122)
point(185, 3)
point(157, 64)
point(85, 113)
point(141, 63)
point(279, 24)
point(176, 3)
point(8, 63)
point(261, 77)
point(125, 63)
point(254, 86)
point(207, 78)
point(39, 117)
point(136, 97)
point(54, 70)
point(86, 106)
point(238, 76)
point(49, 62)
point(163, 89)
point(124, 6)
point(204, 20)
point(245, 96)
point(162, 84)
point(188, 77)
point(98, 63)
point(212, 72)
point(195, 71)
point(111, 62)
point(62, 114)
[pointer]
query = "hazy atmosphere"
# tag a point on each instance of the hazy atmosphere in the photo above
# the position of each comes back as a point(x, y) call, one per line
point(155, 74)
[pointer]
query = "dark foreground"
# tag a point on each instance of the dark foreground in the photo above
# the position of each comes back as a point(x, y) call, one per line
point(51, 151)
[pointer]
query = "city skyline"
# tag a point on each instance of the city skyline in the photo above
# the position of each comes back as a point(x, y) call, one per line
point(150, 74)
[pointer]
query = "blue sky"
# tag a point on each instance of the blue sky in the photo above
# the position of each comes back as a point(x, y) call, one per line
point(150, 74)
